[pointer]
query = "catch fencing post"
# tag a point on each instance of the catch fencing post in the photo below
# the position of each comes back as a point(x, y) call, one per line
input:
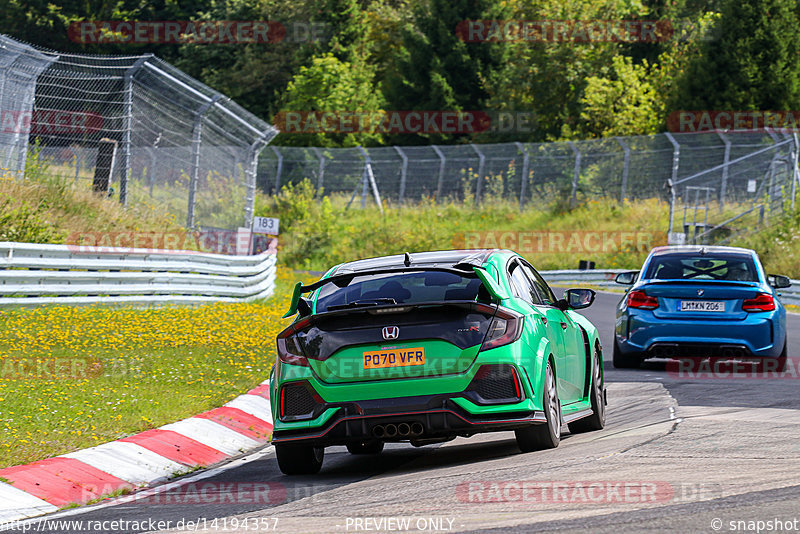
point(194, 176)
point(573, 199)
point(795, 170)
point(440, 181)
point(252, 168)
point(279, 169)
point(526, 160)
point(626, 167)
point(125, 156)
point(403, 173)
point(723, 189)
point(321, 171)
point(481, 166)
point(369, 179)
point(676, 159)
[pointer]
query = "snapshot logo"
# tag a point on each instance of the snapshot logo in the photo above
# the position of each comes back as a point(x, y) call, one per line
point(732, 121)
point(569, 241)
point(528, 492)
point(721, 369)
point(50, 121)
point(195, 32)
point(565, 31)
point(405, 122)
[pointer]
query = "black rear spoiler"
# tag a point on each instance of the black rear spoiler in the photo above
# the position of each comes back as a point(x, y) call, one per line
point(342, 280)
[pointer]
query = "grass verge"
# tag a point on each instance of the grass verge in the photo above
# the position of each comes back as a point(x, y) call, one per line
point(74, 377)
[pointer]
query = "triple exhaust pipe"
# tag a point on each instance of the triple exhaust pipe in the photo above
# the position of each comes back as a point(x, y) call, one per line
point(402, 430)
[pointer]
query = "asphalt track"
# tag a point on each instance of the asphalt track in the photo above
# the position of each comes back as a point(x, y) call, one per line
point(678, 454)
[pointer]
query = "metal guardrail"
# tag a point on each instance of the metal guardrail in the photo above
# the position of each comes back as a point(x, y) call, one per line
point(605, 278)
point(62, 274)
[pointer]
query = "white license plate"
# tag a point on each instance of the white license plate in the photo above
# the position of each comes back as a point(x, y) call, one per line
point(702, 306)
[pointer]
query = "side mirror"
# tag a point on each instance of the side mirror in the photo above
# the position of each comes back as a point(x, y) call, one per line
point(779, 281)
point(626, 279)
point(577, 299)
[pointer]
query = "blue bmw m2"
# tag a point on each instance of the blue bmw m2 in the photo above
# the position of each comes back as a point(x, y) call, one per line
point(693, 302)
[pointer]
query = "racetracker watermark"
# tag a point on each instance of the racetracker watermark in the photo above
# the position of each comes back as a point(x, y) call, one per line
point(179, 242)
point(528, 492)
point(732, 121)
point(49, 121)
point(196, 32)
point(405, 122)
point(565, 31)
point(723, 369)
point(566, 241)
point(216, 492)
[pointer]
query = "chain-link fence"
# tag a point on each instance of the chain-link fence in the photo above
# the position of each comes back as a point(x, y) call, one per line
point(179, 144)
point(739, 169)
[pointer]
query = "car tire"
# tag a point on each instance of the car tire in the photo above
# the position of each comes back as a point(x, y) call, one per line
point(597, 420)
point(548, 435)
point(625, 361)
point(778, 364)
point(299, 460)
point(368, 446)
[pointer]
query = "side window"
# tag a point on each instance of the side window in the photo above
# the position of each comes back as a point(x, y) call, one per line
point(547, 296)
point(519, 282)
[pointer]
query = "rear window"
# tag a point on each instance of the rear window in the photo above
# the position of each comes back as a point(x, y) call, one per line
point(403, 288)
point(735, 267)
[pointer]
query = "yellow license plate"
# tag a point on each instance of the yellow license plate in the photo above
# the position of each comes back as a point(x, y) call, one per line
point(376, 359)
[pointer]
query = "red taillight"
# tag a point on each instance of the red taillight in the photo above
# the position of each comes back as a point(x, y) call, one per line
point(288, 349)
point(505, 328)
point(283, 401)
point(640, 299)
point(762, 302)
point(516, 383)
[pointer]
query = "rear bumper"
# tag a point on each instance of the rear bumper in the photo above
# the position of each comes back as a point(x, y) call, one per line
point(426, 417)
point(759, 335)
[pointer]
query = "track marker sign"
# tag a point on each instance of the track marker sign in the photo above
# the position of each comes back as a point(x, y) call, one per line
point(266, 225)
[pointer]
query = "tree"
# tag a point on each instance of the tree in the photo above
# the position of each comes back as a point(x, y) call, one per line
point(625, 104)
point(330, 85)
point(751, 64)
point(436, 69)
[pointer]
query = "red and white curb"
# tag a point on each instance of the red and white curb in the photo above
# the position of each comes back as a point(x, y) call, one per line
point(136, 461)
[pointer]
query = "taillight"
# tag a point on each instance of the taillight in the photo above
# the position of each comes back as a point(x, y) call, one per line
point(289, 350)
point(640, 299)
point(505, 328)
point(762, 302)
point(290, 353)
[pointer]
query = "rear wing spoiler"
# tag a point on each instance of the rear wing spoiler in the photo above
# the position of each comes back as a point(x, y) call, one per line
point(342, 280)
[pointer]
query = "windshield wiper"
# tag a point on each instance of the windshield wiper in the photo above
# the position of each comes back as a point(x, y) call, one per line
point(360, 303)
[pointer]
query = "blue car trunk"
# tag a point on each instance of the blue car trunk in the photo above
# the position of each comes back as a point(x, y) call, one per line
point(706, 299)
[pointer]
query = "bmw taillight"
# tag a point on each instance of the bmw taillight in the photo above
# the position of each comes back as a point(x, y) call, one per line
point(640, 299)
point(762, 302)
point(289, 350)
point(505, 328)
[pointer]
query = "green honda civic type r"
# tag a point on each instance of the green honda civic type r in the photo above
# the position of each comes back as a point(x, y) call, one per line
point(424, 347)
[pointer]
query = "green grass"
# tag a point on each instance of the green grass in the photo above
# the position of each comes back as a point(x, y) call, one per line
point(74, 377)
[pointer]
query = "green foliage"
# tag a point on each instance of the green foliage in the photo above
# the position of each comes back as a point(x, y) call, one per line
point(625, 104)
point(436, 70)
point(329, 84)
point(751, 64)
point(24, 223)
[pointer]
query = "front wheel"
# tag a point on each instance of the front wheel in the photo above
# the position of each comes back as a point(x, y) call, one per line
point(548, 435)
point(299, 460)
point(597, 420)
